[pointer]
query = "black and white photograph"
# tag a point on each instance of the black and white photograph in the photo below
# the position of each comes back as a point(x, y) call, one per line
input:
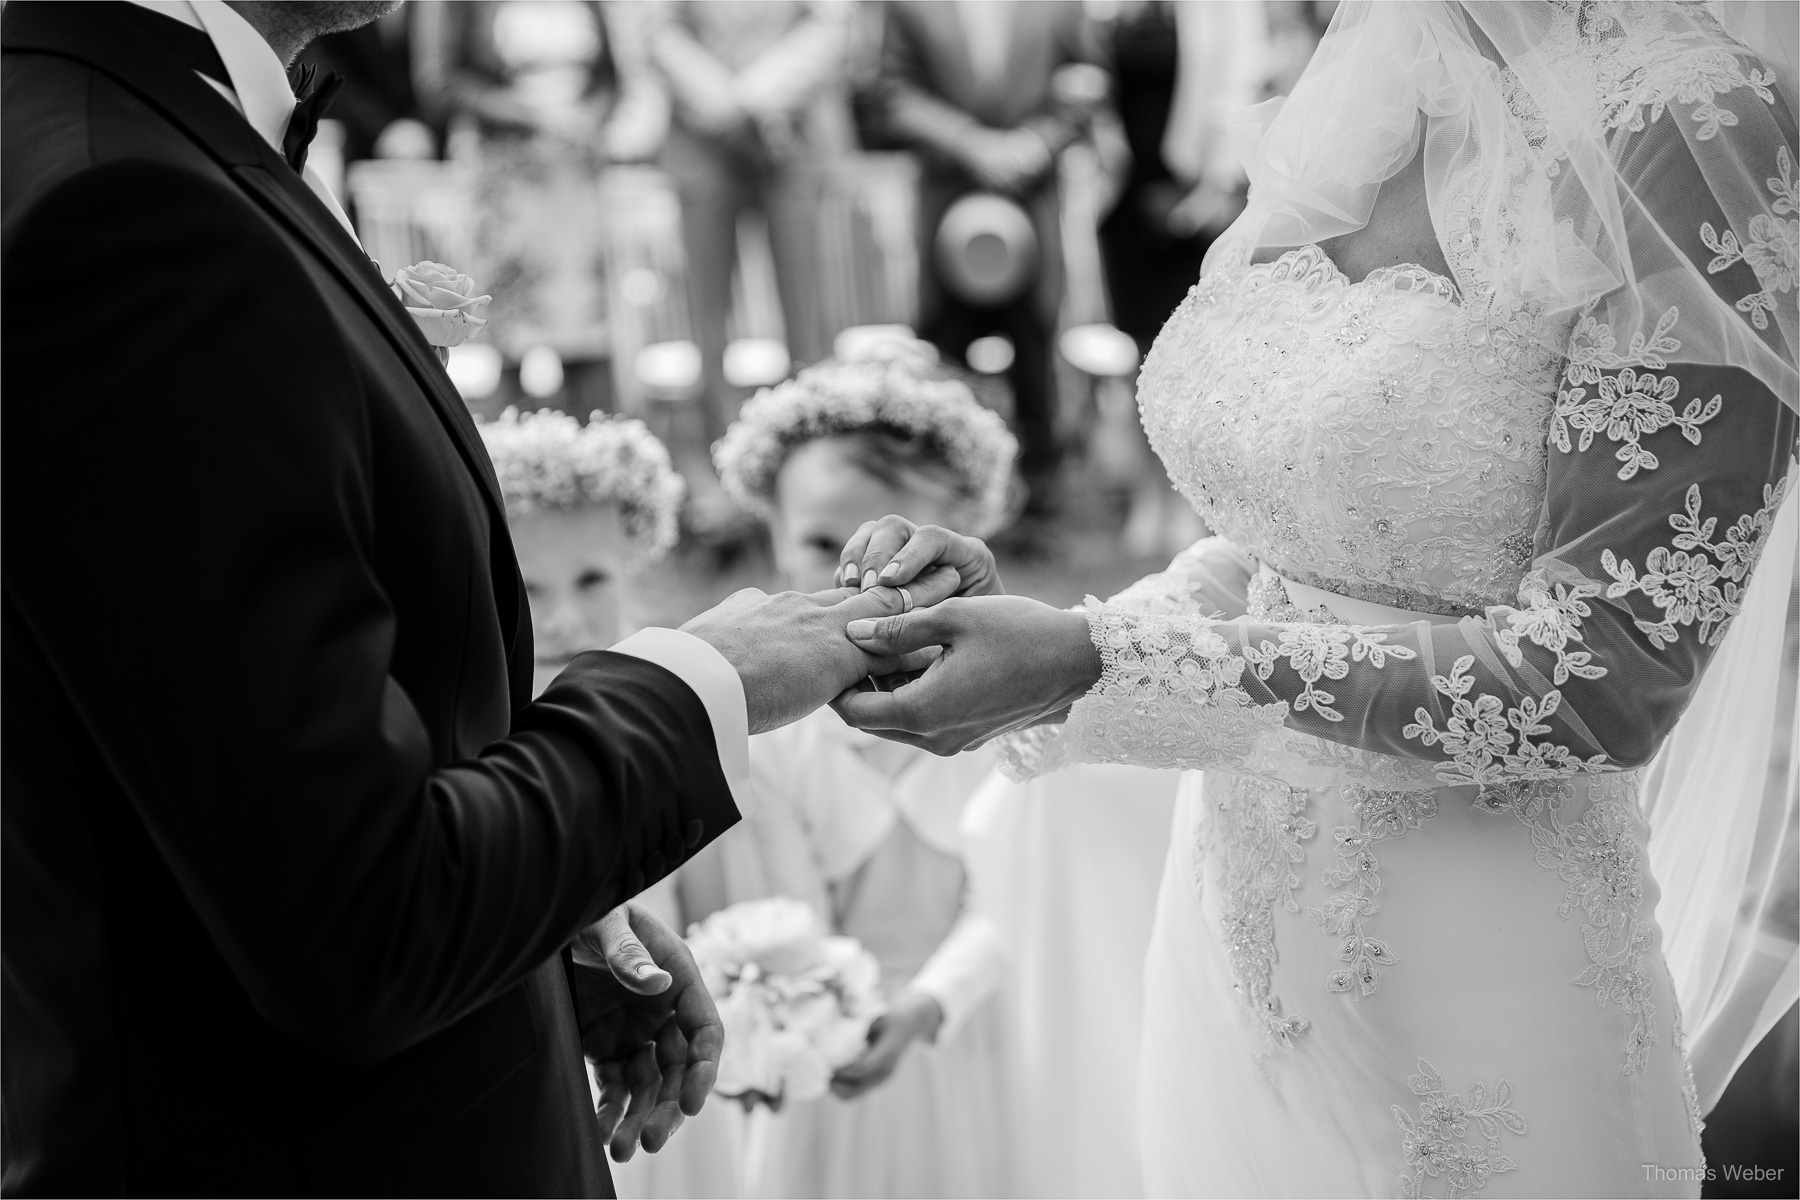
point(771, 599)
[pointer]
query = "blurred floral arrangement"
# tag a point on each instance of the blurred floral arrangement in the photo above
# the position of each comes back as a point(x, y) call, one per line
point(796, 1003)
point(548, 459)
point(897, 385)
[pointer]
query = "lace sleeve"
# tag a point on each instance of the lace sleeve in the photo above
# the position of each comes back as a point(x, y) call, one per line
point(1641, 570)
point(1210, 578)
point(1663, 479)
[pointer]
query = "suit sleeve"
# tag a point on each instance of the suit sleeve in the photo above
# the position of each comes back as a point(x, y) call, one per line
point(190, 534)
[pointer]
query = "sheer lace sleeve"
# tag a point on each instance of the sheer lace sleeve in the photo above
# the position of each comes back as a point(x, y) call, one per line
point(1663, 479)
point(1211, 578)
point(1640, 568)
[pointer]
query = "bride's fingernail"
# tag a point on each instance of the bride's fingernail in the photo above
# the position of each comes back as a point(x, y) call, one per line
point(850, 574)
point(861, 630)
point(869, 581)
point(891, 570)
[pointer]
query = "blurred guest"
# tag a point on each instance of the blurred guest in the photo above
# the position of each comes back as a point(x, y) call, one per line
point(1181, 68)
point(758, 104)
point(1295, 27)
point(974, 87)
point(379, 106)
point(554, 92)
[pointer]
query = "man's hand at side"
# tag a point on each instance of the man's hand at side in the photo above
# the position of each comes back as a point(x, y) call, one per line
point(789, 649)
point(649, 1025)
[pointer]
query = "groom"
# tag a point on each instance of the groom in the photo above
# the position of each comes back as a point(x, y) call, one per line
point(291, 860)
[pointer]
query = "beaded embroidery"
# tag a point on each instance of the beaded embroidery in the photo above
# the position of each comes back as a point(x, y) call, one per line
point(1600, 859)
point(1261, 826)
point(1380, 816)
point(1434, 1142)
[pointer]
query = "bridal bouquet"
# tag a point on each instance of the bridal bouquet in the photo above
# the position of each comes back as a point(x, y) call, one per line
point(796, 1003)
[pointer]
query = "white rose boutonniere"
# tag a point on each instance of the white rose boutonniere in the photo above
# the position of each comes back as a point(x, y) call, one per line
point(443, 302)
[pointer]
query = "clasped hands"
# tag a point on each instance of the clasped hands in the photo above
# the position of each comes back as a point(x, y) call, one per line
point(922, 611)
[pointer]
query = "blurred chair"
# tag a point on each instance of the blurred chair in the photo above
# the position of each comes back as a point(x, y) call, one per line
point(646, 280)
point(868, 242)
point(409, 210)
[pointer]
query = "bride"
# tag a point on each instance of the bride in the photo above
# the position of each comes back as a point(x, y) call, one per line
point(1488, 394)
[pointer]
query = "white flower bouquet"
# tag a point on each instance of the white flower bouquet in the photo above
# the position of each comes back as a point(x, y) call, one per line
point(796, 1003)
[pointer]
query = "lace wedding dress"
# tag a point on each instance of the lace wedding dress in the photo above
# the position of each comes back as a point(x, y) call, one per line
point(1408, 937)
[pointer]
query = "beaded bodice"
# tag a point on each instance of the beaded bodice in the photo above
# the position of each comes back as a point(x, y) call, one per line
point(1384, 439)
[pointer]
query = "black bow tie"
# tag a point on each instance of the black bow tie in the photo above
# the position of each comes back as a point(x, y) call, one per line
point(313, 93)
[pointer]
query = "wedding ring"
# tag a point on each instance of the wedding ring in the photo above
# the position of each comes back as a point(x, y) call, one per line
point(905, 598)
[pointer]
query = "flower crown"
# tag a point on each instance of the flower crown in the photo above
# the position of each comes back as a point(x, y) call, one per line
point(548, 459)
point(898, 386)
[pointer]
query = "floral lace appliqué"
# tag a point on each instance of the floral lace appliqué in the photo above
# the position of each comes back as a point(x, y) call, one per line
point(1600, 859)
point(1628, 407)
point(1491, 744)
point(1436, 1142)
point(1315, 652)
point(1695, 580)
point(1170, 695)
point(1771, 246)
point(1262, 826)
point(1380, 816)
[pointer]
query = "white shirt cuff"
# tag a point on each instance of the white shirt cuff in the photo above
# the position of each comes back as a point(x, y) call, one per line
point(721, 693)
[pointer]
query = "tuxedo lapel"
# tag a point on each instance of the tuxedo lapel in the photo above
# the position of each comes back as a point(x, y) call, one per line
point(97, 35)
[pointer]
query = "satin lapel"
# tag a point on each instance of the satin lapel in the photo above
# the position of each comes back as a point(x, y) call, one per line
point(96, 35)
point(292, 201)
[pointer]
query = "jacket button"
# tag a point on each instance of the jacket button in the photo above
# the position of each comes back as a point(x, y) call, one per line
point(696, 829)
point(655, 867)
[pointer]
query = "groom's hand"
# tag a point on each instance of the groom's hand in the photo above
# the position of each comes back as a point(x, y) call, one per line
point(1007, 663)
point(650, 1026)
point(789, 650)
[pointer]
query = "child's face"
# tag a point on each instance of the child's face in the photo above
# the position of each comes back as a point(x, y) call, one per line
point(574, 564)
point(821, 498)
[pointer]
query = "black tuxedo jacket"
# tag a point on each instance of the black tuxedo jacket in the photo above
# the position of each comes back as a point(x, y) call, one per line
point(290, 858)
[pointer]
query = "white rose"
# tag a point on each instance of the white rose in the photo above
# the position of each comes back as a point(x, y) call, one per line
point(442, 301)
point(856, 970)
point(842, 1040)
point(779, 935)
point(745, 1065)
point(804, 1074)
point(809, 1012)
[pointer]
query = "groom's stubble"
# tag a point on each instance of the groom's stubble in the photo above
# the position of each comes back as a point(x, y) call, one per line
point(289, 25)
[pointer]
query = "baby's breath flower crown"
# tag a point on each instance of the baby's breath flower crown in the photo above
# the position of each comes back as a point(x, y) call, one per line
point(900, 388)
point(548, 459)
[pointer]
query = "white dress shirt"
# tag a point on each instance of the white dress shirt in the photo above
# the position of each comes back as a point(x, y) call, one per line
point(259, 83)
point(259, 90)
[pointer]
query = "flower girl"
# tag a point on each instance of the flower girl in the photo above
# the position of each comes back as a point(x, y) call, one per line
point(867, 831)
point(588, 507)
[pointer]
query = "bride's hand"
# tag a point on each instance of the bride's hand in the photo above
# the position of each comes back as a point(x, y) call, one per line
point(893, 552)
point(1007, 663)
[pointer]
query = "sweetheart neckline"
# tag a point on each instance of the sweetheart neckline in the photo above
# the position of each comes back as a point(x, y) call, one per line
point(1450, 291)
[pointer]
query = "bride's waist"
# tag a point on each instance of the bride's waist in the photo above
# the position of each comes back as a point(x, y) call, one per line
point(1277, 595)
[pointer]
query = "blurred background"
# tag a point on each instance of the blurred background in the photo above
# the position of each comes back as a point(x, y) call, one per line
point(674, 204)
